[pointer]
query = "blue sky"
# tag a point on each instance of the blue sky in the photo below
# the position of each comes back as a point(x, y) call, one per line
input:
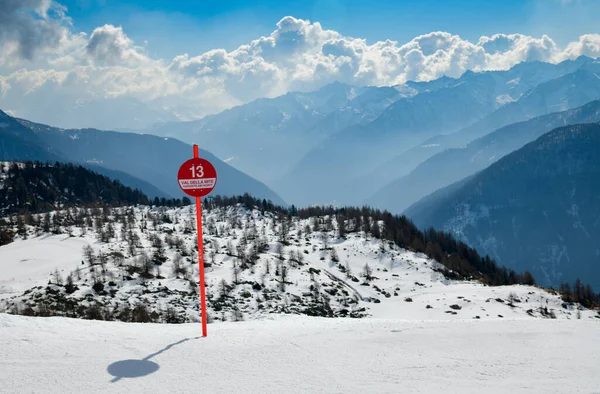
point(172, 27)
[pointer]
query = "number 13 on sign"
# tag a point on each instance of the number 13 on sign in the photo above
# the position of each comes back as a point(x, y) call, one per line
point(197, 171)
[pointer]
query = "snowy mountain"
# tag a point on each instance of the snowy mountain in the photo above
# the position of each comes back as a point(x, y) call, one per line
point(253, 136)
point(362, 154)
point(563, 93)
point(150, 159)
point(534, 209)
point(452, 165)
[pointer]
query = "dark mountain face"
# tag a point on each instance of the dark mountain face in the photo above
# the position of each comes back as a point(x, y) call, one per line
point(20, 142)
point(454, 164)
point(536, 209)
point(150, 159)
point(37, 187)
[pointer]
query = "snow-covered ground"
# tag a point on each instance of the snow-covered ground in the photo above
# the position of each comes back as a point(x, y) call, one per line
point(299, 354)
point(26, 264)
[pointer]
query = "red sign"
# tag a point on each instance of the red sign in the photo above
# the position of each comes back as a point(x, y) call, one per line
point(197, 177)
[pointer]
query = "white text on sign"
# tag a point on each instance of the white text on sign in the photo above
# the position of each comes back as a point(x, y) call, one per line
point(205, 183)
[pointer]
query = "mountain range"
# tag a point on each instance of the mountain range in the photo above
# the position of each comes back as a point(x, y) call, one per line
point(577, 86)
point(344, 135)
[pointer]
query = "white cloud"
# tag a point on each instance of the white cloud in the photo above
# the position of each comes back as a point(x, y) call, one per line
point(47, 59)
point(588, 45)
point(109, 46)
point(30, 28)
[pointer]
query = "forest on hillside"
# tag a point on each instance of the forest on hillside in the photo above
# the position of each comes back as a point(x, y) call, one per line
point(39, 187)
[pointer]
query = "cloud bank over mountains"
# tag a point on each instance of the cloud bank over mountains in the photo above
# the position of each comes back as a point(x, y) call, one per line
point(41, 57)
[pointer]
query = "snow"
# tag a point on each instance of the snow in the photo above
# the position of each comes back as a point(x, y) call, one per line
point(299, 355)
point(28, 263)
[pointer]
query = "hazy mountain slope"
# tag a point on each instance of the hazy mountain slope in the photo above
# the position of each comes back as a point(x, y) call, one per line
point(537, 208)
point(19, 142)
point(561, 87)
point(253, 136)
point(451, 165)
point(135, 183)
point(356, 150)
point(559, 94)
point(360, 155)
point(151, 159)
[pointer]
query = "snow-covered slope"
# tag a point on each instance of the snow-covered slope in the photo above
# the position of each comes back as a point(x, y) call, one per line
point(299, 355)
point(144, 268)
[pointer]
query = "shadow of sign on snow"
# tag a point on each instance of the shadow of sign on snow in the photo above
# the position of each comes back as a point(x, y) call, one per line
point(138, 368)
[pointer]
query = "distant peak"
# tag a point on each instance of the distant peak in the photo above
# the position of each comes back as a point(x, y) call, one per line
point(336, 85)
point(584, 58)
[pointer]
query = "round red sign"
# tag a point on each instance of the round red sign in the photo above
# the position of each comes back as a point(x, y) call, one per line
point(197, 177)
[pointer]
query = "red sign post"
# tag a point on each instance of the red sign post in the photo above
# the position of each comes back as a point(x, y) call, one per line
point(197, 178)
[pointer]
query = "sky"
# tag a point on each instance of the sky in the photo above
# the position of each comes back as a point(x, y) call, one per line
point(174, 27)
point(185, 59)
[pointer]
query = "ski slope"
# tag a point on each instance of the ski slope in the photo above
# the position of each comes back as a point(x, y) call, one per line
point(299, 354)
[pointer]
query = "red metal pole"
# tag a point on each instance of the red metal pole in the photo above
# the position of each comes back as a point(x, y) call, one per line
point(200, 256)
